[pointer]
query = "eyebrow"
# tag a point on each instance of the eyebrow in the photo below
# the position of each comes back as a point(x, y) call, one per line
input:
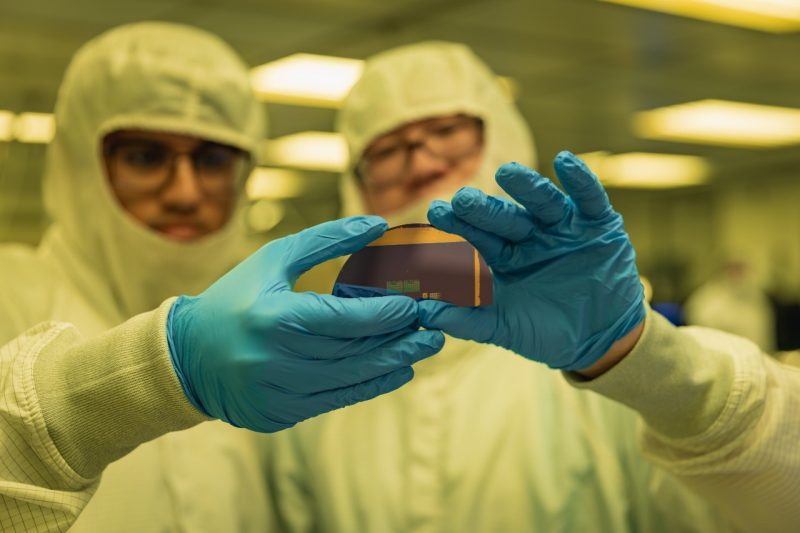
point(143, 140)
point(146, 140)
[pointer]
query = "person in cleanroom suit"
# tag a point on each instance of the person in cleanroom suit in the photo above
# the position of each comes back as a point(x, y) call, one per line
point(97, 265)
point(100, 364)
point(485, 440)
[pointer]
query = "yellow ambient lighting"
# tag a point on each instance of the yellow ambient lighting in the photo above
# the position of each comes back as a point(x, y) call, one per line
point(509, 86)
point(34, 127)
point(320, 81)
point(777, 16)
point(264, 215)
point(306, 79)
point(309, 150)
point(721, 122)
point(640, 170)
point(6, 125)
point(274, 184)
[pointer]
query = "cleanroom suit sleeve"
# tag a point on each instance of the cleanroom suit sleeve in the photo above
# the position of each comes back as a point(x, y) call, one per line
point(720, 415)
point(69, 407)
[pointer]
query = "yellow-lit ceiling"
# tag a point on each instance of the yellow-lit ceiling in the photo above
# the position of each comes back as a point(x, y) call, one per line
point(583, 69)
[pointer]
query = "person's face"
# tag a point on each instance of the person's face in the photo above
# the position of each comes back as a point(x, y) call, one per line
point(180, 186)
point(420, 160)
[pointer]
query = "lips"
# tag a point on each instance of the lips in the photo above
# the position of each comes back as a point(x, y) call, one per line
point(180, 232)
point(436, 186)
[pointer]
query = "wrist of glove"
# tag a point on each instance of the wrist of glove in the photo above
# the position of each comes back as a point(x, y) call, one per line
point(179, 316)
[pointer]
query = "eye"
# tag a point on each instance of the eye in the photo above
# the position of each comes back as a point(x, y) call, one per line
point(214, 158)
point(143, 155)
point(446, 129)
point(382, 153)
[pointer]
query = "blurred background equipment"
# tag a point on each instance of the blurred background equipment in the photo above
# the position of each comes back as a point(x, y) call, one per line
point(688, 109)
point(733, 301)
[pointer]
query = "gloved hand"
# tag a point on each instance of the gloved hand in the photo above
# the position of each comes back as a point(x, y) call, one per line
point(251, 352)
point(565, 280)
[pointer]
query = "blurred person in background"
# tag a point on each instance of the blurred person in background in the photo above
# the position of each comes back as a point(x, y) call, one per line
point(733, 301)
point(486, 440)
point(157, 127)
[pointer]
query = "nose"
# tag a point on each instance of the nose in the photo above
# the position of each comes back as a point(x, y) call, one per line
point(423, 166)
point(183, 191)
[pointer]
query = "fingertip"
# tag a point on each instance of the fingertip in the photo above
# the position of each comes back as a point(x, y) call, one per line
point(565, 155)
point(409, 310)
point(432, 337)
point(438, 209)
point(508, 174)
point(507, 169)
point(438, 204)
point(368, 224)
point(402, 305)
point(404, 375)
point(394, 380)
point(570, 163)
point(466, 194)
point(426, 343)
point(374, 219)
point(466, 199)
point(582, 185)
point(387, 313)
point(426, 305)
point(436, 339)
point(428, 309)
point(439, 214)
point(375, 387)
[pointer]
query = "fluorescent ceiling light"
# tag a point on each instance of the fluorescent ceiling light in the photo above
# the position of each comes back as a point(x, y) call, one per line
point(6, 125)
point(274, 184)
point(640, 170)
point(34, 127)
point(766, 15)
point(321, 81)
point(309, 150)
point(306, 79)
point(720, 122)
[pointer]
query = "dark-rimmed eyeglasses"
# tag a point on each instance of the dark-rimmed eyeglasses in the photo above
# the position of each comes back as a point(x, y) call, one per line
point(145, 166)
point(452, 139)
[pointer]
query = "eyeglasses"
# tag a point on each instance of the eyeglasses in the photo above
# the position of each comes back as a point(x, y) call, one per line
point(145, 166)
point(450, 138)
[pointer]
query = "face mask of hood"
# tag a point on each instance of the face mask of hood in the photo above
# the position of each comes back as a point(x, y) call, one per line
point(422, 81)
point(148, 76)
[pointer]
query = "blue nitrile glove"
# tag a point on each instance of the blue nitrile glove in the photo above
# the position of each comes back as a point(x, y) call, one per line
point(565, 281)
point(251, 352)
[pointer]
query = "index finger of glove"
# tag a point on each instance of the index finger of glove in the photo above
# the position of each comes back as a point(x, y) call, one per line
point(497, 216)
point(543, 200)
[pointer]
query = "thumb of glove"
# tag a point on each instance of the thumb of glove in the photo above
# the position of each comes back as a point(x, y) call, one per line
point(318, 244)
